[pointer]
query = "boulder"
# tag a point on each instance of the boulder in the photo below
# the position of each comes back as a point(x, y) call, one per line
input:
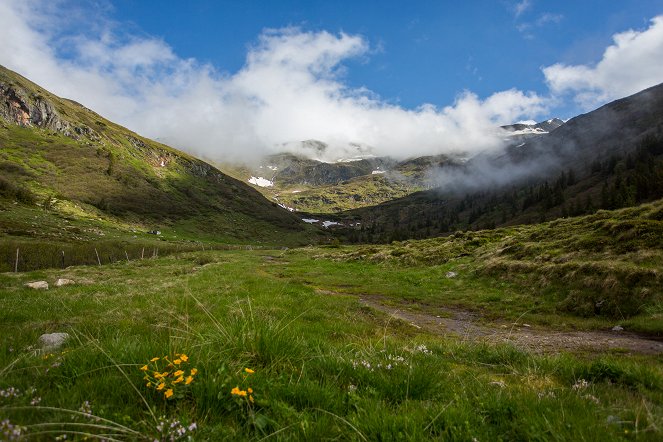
point(52, 341)
point(38, 285)
point(62, 281)
point(617, 328)
point(451, 274)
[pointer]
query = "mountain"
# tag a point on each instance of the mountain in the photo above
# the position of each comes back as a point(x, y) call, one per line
point(609, 158)
point(62, 156)
point(302, 182)
point(533, 128)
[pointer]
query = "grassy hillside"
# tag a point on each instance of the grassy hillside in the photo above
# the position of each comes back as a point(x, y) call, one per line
point(283, 347)
point(609, 264)
point(57, 153)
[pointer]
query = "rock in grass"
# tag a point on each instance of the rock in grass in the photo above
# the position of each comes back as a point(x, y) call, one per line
point(38, 285)
point(52, 341)
point(451, 274)
point(617, 328)
point(62, 281)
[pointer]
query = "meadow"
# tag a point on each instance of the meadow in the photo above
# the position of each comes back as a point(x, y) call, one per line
point(277, 344)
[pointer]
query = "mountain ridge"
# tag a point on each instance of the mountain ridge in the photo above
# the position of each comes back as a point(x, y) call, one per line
point(57, 149)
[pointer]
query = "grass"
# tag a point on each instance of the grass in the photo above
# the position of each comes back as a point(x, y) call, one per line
point(98, 169)
point(324, 366)
point(607, 265)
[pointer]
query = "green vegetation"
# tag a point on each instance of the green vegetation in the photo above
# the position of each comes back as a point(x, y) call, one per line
point(68, 156)
point(357, 192)
point(214, 330)
point(623, 179)
point(320, 366)
point(607, 264)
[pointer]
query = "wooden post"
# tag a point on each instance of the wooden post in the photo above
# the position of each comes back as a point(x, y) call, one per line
point(142, 253)
point(63, 259)
point(97, 253)
point(127, 255)
point(16, 265)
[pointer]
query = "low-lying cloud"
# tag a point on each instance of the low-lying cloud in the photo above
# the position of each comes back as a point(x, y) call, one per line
point(291, 88)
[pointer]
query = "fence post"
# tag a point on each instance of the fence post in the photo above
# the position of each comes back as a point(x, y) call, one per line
point(97, 253)
point(16, 264)
point(142, 253)
point(63, 259)
point(127, 255)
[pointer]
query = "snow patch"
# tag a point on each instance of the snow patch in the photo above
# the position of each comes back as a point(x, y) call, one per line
point(375, 172)
point(310, 220)
point(260, 181)
point(289, 209)
point(327, 224)
point(528, 131)
point(273, 168)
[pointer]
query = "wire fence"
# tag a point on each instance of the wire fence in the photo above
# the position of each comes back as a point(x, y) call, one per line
point(24, 256)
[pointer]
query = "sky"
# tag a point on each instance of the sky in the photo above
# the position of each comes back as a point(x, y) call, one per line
point(238, 79)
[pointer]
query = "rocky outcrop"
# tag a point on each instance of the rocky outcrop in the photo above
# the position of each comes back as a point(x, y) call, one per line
point(18, 107)
point(24, 108)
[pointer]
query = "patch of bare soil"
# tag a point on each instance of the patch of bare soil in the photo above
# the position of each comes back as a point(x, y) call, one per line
point(466, 326)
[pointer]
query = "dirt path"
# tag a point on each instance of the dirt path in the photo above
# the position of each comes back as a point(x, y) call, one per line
point(466, 326)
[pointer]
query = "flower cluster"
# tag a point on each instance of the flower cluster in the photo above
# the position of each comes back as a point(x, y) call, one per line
point(421, 348)
point(169, 377)
point(172, 430)
point(9, 431)
point(244, 394)
point(580, 385)
point(11, 393)
point(389, 362)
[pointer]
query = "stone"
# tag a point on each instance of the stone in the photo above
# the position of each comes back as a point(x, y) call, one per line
point(38, 285)
point(63, 281)
point(52, 341)
point(451, 274)
point(617, 328)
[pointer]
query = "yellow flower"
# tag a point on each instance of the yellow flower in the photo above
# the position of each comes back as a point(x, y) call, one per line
point(178, 380)
point(144, 368)
point(157, 375)
point(194, 371)
point(168, 393)
point(154, 359)
point(249, 371)
point(189, 379)
point(251, 399)
point(164, 374)
point(236, 391)
point(161, 386)
point(178, 373)
point(149, 384)
point(177, 361)
point(250, 390)
point(184, 357)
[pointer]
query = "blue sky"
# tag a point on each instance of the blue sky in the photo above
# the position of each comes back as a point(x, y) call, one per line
point(421, 51)
point(231, 80)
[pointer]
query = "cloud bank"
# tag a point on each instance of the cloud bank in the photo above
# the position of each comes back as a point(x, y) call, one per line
point(291, 87)
point(630, 64)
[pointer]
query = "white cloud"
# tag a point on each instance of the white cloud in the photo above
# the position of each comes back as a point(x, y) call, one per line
point(521, 7)
point(291, 88)
point(630, 64)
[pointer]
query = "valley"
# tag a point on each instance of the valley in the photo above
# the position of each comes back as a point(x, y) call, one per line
point(511, 295)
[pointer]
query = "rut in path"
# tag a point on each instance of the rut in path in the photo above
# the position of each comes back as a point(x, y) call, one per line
point(466, 326)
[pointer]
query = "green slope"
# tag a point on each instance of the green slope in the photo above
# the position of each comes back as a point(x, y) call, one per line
point(607, 264)
point(64, 157)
